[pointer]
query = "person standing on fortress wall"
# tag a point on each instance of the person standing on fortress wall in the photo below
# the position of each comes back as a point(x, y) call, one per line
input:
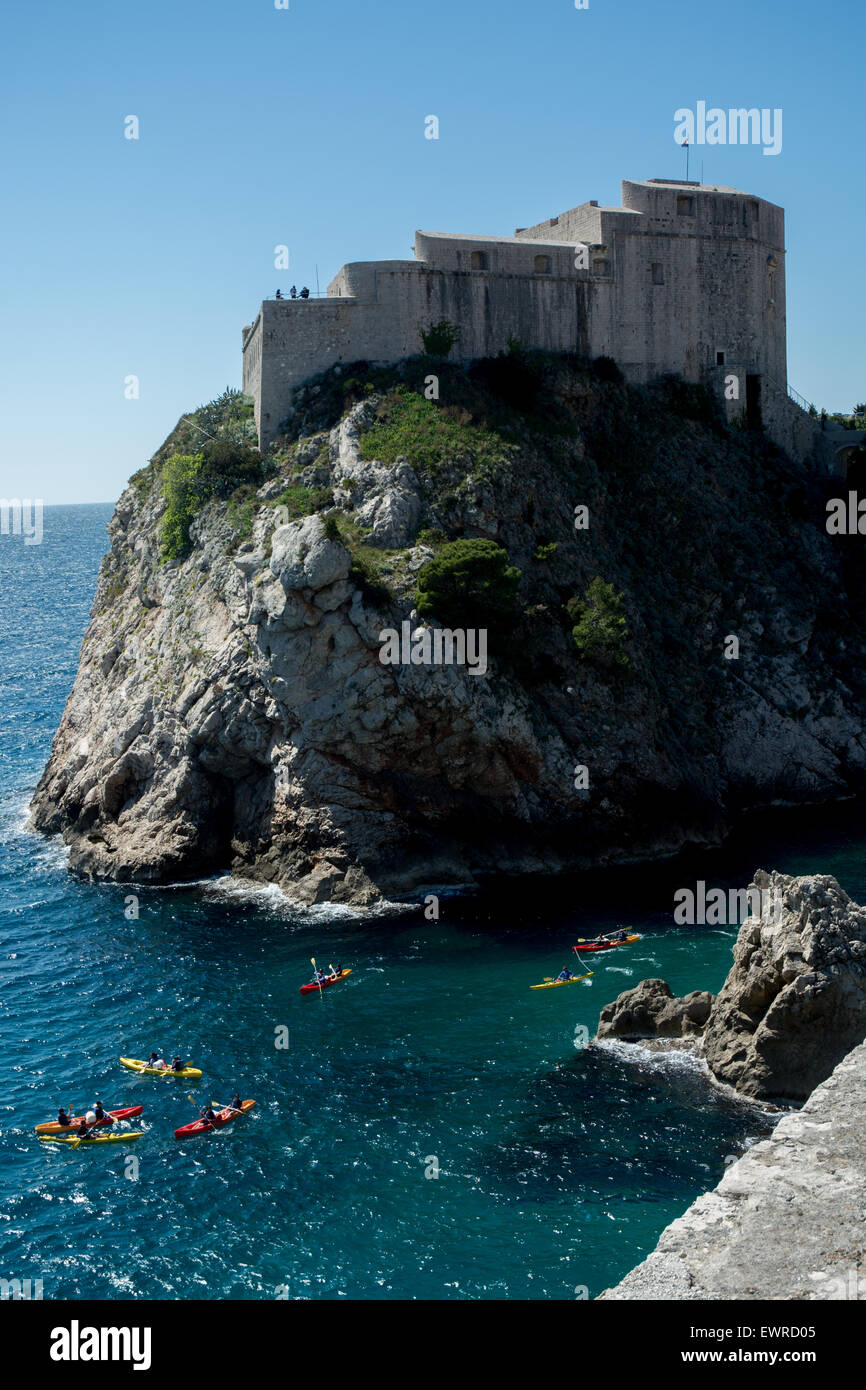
point(305, 293)
point(279, 296)
point(294, 292)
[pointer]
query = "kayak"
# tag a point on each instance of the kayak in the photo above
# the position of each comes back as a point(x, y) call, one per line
point(110, 1117)
point(135, 1065)
point(223, 1117)
point(602, 945)
point(554, 984)
point(98, 1139)
point(313, 988)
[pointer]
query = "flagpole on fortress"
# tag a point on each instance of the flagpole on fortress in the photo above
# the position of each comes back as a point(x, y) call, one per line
point(686, 144)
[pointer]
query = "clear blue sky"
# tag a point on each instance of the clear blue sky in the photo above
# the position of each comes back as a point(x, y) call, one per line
point(262, 126)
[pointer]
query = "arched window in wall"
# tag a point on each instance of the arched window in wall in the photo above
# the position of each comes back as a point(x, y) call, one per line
point(478, 260)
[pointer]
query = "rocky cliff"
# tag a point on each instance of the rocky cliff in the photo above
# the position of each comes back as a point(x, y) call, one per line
point(231, 710)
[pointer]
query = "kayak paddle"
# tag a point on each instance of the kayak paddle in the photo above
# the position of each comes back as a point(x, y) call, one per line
point(318, 982)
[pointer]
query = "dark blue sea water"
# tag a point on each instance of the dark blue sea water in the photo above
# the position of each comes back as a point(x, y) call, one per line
point(557, 1167)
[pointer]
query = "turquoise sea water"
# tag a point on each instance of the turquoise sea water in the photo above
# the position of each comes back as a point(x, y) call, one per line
point(558, 1167)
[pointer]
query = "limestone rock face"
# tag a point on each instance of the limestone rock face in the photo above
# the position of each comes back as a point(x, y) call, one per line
point(650, 1010)
point(794, 1002)
point(231, 712)
point(786, 1220)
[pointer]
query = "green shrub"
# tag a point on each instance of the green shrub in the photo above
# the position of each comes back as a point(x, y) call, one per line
point(227, 466)
point(428, 436)
point(428, 535)
point(439, 338)
point(300, 500)
point(606, 369)
point(142, 481)
point(241, 510)
point(469, 583)
point(182, 490)
point(230, 418)
point(330, 527)
point(600, 631)
point(545, 553)
point(364, 574)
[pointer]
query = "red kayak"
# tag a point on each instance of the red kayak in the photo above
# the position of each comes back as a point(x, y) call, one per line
point(110, 1116)
point(602, 945)
point(223, 1117)
point(314, 988)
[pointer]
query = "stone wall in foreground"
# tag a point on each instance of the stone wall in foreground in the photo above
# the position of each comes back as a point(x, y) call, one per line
point(787, 1220)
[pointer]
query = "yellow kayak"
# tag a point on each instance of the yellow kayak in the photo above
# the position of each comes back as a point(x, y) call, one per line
point(554, 984)
point(93, 1139)
point(135, 1064)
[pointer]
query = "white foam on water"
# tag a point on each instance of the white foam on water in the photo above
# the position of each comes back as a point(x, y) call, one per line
point(270, 896)
point(678, 1060)
point(668, 1059)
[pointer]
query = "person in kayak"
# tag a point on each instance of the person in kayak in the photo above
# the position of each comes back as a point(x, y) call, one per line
point(83, 1130)
point(208, 1114)
point(319, 976)
point(621, 935)
point(235, 1104)
point(177, 1064)
point(564, 975)
point(63, 1118)
point(98, 1111)
point(155, 1060)
point(335, 974)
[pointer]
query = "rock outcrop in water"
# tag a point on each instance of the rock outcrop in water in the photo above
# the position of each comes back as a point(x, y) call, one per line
point(793, 1004)
point(231, 712)
point(651, 1010)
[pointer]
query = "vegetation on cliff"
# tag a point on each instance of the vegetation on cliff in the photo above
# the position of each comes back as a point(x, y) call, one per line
point(470, 583)
point(613, 539)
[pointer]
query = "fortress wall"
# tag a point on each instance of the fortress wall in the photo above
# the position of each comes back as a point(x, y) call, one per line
point(678, 274)
point(301, 337)
point(656, 325)
point(297, 338)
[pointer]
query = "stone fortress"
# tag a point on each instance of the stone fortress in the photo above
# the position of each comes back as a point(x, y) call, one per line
point(683, 278)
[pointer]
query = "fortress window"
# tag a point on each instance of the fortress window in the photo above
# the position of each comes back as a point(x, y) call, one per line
point(752, 210)
point(658, 273)
point(720, 359)
point(600, 267)
point(542, 265)
point(478, 260)
point(685, 206)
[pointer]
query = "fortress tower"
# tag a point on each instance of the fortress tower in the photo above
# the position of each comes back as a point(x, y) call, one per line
point(683, 277)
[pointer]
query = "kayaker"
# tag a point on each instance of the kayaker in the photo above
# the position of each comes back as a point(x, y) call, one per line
point(154, 1060)
point(320, 976)
point(177, 1064)
point(236, 1104)
point(335, 974)
point(209, 1114)
point(83, 1130)
point(63, 1118)
point(564, 975)
point(98, 1111)
point(621, 935)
